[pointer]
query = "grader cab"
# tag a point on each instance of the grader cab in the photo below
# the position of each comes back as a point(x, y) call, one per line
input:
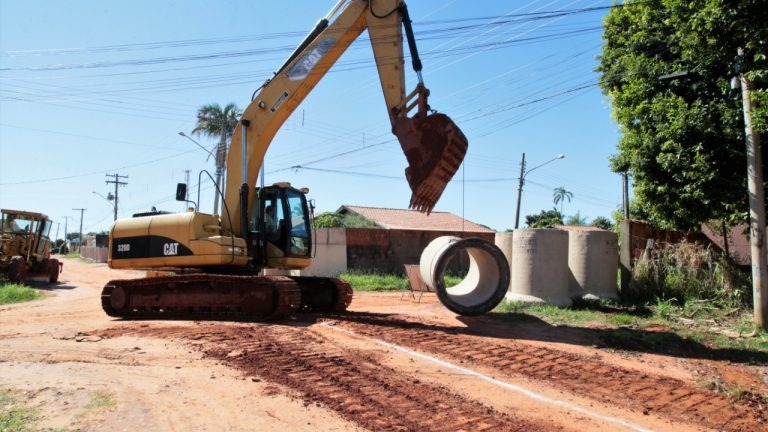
point(25, 247)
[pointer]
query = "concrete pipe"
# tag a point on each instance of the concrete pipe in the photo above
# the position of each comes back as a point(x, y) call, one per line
point(486, 281)
point(593, 259)
point(540, 267)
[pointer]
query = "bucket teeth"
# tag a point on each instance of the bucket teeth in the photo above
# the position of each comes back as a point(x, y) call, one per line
point(434, 147)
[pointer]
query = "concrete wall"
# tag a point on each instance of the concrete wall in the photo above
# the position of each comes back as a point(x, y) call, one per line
point(98, 254)
point(330, 253)
point(370, 250)
point(386, 251)
point(737, 243)
point(98, 240)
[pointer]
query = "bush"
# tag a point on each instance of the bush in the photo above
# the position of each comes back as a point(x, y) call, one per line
point(688, 271)
point(337, 220)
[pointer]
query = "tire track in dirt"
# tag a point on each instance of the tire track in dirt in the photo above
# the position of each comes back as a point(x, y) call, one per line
point(664, 396)
point(348, 381)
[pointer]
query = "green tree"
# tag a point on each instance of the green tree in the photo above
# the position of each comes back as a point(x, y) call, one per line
point(337, 220)
point(545, 219)
point(560, 195)
point(683, 139)
point(329, 220)
point(576, 219)
point(215, 121)
point(602, 222)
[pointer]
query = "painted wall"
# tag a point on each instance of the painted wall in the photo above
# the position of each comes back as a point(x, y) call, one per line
point(386, 251)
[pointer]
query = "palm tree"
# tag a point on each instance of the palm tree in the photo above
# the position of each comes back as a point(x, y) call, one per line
point(560, 196)
point(212, 121)
point(576, 220)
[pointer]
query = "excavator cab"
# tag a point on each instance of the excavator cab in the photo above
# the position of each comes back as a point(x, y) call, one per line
point(281, 227)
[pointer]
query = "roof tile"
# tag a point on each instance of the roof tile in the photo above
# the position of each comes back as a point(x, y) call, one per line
point(414, 220)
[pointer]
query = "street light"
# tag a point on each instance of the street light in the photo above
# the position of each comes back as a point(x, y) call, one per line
point(198, 144)
point(220, 168)
point(524, 173)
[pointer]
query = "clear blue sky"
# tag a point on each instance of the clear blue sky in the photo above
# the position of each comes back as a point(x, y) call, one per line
point(94, 88)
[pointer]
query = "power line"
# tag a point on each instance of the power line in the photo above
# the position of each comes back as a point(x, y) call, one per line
point(421, 25)
point(350, 173)
point(56, 179)
point(424, 36)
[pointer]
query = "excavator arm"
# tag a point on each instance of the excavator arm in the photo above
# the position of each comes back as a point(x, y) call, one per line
point(434, 146)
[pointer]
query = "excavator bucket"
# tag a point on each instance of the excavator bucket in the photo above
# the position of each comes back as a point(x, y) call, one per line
point(434, 147)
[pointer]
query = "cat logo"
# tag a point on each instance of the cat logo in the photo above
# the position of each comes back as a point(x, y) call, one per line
point(171, 249)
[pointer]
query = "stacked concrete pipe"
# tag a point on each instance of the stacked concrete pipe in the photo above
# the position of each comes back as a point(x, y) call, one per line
point(593, 260)
point(540, 267)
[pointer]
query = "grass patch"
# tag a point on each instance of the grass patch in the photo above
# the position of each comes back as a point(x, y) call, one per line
point(385, 282)
point(452, 280)
point(736, 393)
point(552, 314)
point(625, 325)
point(375, 281)
point(15, 293)
point(101, 400)
point(14, 417)
point(735, 331)
point(684, 299)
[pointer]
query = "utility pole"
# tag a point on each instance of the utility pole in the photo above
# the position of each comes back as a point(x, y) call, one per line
point(221, 158)
point(625, 196)
point(520, 191)
point(117, 183)
point(80, 241)
point(66, 221)
point(524, 173)
point(186, 197)
point(186, 180)
point(756, 202)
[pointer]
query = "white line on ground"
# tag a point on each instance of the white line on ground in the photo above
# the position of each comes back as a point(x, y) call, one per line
point(506, 385)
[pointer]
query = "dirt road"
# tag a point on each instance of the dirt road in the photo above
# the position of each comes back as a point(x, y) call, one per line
point(388, 365)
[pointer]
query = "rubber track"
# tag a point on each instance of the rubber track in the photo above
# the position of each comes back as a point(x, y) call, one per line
point(288, 303)
point(359, 389)
point(338, 300)
point(344, 294)
point(664, 396)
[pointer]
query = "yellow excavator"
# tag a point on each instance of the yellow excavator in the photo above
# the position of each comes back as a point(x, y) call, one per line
point(215, 260)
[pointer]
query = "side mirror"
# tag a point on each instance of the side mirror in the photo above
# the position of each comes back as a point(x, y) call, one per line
point(181, 192)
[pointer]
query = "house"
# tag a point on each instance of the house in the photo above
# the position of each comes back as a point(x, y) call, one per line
point(397, 219)
point(398, 238)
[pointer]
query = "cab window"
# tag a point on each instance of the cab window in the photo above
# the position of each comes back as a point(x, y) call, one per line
point(300, 238)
